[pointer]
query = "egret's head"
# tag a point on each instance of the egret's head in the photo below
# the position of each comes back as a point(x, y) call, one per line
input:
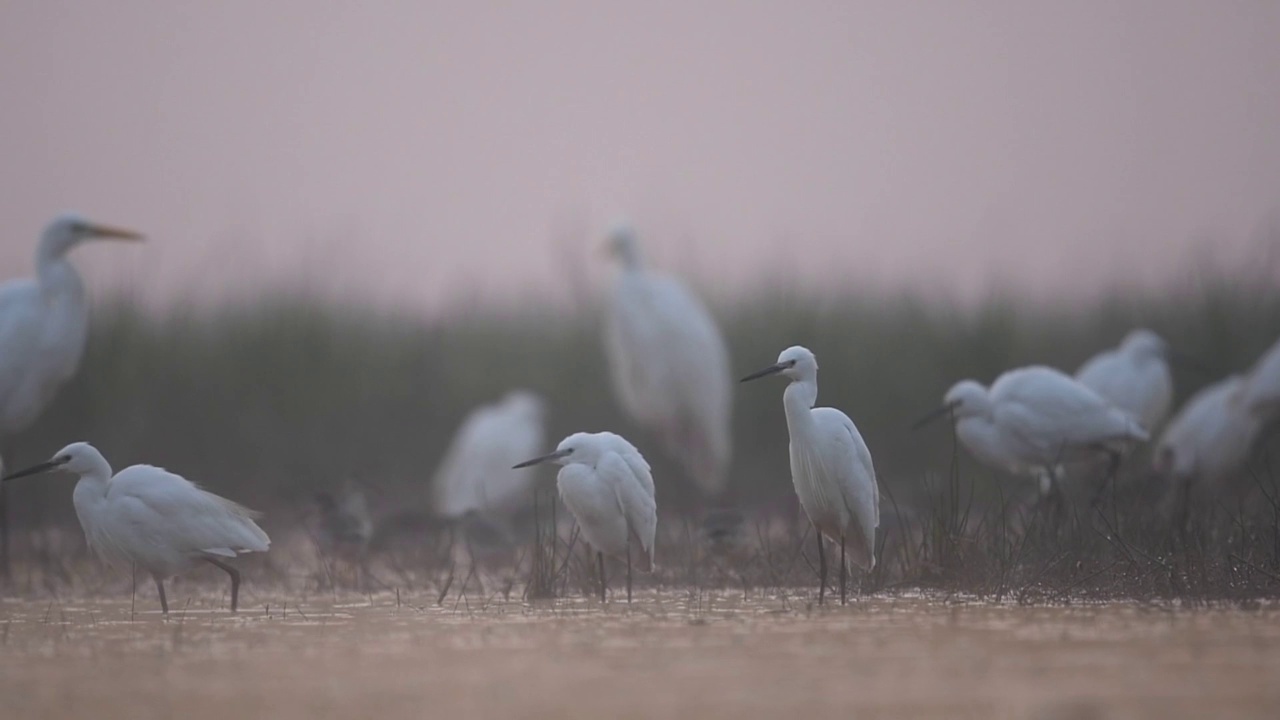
point(70, 229)
point(80, 458)
point(623, 245)
point(528, 404)
point(795, 363)
point(577, 448)
point(966, 399)
point(1145, 344)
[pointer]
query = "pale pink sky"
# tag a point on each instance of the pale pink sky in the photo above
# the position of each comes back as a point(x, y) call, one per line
point(406, 151)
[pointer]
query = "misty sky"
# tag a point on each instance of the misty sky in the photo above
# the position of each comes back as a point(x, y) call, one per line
point(408, 151)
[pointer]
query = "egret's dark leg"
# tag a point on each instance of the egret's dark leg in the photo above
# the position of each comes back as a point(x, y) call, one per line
point(822, 571)
point(164, 602)
point(628, 573)
point(844, 598)
point(1113, 466)
point(235, 580)
point(603, 585)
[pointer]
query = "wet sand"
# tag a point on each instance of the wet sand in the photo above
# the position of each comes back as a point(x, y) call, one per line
point(668, 655)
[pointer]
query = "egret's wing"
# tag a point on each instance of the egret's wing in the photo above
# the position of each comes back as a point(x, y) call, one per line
point(855, 476)
point(21, 313)
point(704, 385)
point(1141, 387)
point(1262, 395)
point(634, 460)
point(457, 481)
point(638, 361)
point(594, 504)
point(476, 472)
point(171, 511)
point(634, 500)
point(1049, 411)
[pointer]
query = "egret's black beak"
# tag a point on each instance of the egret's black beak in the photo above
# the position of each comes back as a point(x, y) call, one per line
point(934, 415)
point(541, 459)
point(34, 470)
point(1177, 358)
point(771, 370)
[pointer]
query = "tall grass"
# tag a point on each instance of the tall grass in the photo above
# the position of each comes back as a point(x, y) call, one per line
point(269, 398)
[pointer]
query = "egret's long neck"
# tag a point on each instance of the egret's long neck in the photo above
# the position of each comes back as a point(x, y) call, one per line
point(798, 400)
point(90, 495)
point(56, 273)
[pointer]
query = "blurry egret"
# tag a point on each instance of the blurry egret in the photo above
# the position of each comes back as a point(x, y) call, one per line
point(153, 519)
point(1262, 393)
point(44, 322)
point(606, 484)
point(345, 527)
point(830, 467)
point(1035, 418)
point(1134, 377)
point(476, 473)
point(1206, 444)
point(669, 365)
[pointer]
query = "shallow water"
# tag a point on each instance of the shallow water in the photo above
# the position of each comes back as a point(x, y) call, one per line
point(671, 654)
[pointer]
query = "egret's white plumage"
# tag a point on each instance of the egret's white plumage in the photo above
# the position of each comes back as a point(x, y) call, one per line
point(1207, 444)
point(670, 366)
point(476, 474)
point(605, 483)
point(1261, 394)
point(44, 322)
point(830, 464)
point(1134, 377)
point(154, 519)
point(1032, 419)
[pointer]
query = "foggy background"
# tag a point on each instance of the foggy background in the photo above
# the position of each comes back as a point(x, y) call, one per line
point(365, 220)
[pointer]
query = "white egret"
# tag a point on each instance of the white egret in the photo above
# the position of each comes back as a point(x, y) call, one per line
point(1207, 443)
point(476, 473)
point(606, 484)
point(1262, 393)
point(1033, 419)
point(670, 366)
point(1134, 377)
point(44, 322)
point(153, 519)
point(830, 467)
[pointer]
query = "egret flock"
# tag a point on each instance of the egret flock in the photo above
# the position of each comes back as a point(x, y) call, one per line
point(671, 374)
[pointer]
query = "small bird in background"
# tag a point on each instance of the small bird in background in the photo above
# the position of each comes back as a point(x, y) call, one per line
point(605, 483)
point(476, 475)
point(1035, 419)
point(44, 323)
point(1134, 377)
point(669, 365)
point(831, 468)
point(345, 528)
point(153, 519)
point(1206, 446)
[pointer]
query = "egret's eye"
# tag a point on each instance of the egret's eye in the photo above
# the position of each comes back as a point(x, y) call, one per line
point(65, 459)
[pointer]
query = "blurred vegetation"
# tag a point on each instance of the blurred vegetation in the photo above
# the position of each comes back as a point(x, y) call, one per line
point(269, 398)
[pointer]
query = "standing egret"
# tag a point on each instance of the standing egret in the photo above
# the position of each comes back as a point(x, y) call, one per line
point(345, 527)
point(830, 467)
point(670, 366)
point(1134, 377)
point(1035, 418)
point(44, 322)
point(606, 484)
point(476, 474)
point(153, 519)
point(1262, 393)
point(1206, 444)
